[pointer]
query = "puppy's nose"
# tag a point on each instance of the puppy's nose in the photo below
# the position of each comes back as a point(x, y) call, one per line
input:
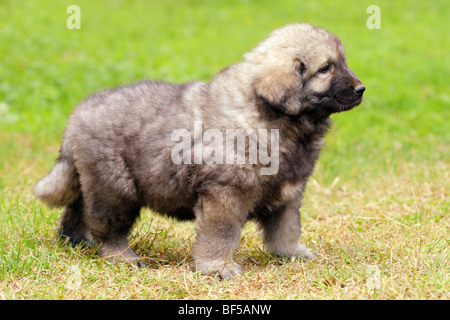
point(360, 89)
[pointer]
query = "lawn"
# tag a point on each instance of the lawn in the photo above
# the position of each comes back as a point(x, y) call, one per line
point(376, 210)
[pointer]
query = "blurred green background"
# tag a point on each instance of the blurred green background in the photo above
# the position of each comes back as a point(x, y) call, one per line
point(46, 69)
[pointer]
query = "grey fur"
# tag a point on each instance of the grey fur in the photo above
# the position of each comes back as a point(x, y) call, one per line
point(115, 155)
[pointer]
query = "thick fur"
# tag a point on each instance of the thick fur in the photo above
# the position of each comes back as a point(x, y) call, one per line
point(116, 152)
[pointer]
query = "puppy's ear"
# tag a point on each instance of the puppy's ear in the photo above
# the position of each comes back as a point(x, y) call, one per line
point(283, 88)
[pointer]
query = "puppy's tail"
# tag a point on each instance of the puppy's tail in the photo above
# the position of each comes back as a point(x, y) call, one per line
point(60, 187)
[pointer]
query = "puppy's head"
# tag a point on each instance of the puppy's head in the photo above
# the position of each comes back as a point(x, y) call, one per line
point(302, 68)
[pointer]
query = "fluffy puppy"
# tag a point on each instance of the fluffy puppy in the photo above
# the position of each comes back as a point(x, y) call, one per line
point(171, 147)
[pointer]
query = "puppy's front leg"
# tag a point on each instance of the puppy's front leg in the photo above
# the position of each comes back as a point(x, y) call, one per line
point(218, 224)
point(282, 231)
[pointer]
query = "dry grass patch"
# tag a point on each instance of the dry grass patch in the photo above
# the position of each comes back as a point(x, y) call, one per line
point(386, 239)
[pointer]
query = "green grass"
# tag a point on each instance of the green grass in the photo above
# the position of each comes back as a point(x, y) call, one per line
point(379, 197)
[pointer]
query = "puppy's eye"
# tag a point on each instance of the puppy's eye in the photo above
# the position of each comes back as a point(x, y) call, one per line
point(325, 69)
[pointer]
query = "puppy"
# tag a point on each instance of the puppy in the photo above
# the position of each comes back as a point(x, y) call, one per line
point(239, 147)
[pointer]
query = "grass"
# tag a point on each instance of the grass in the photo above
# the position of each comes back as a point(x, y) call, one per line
point(375, 211)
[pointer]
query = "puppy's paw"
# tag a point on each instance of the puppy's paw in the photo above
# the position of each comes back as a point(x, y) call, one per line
point(304, 253)
point(298, 251)
point(121, 253)
point(220, 269)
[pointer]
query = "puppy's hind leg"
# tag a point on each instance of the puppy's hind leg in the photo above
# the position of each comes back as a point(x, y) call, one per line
point(71, 224)
point(110, 223)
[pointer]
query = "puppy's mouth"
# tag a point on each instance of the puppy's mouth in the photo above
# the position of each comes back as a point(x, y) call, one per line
point(332, 104)
point(345, 106)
